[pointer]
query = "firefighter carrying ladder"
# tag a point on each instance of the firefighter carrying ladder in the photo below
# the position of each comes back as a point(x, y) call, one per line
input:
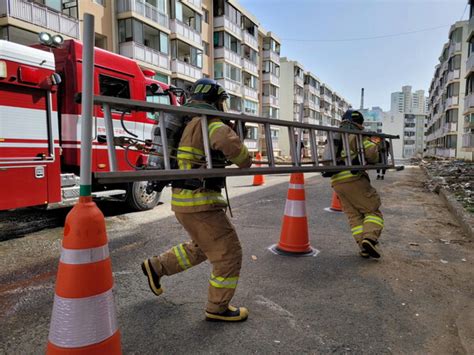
point(270, 166)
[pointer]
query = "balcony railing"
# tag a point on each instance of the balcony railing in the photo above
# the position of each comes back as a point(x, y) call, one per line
point(140, 52)
point(223, 21)
point(468, 140)
point(299, 99)
point(183, 68)
point(470, 63)
point(469, 102)
point(196, 3)
point(452, 101)
point(271, 78)
point(250, 93)
point(273, 56)
point(270, 100)
point(310, 104)
point(227, 54)
point(187, 32)
point(251, 144)
point(231, 85)
point(299, 81)
point(311, 89)
point(450, 127)
point(249, 66)
point(250, 40)
point(144, 9)
point(41, 16)
point(454, 75)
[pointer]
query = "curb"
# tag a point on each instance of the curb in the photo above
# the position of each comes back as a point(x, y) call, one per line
point(465, 219)
point(462, 216)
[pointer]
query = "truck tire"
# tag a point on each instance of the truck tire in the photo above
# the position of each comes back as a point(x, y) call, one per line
point(138, 199)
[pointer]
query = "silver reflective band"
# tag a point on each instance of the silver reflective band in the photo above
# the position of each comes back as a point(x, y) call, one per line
point(295, 208)
point(77, 322)
point(84, 256)
point(296, 186)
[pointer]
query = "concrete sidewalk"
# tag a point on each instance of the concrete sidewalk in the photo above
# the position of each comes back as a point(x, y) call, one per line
point(418, 298)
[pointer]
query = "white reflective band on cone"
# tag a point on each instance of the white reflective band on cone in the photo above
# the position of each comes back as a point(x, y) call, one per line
point(296, 186)
point(77, 322)
point(295, 208)
point(84, 256)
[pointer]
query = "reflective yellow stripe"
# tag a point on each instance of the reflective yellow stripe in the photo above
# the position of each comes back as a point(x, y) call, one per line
point(357, 230)
point(343, 154)
point(244, 153)
point(368, 144)
point(188, 199)
point(187, 155)
point(182, 257)
point(374, 219)
point(224, 282)
point(342, 176)
point(213, 126)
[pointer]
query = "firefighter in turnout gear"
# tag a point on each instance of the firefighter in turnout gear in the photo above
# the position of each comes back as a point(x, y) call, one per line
point(200, 208)
point(360, 201)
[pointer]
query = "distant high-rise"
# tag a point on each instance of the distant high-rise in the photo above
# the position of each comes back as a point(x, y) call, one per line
point(406, 101)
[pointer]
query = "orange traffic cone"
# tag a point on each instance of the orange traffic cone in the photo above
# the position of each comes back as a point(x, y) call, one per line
point(294, 238)
point(258, 179)
point(335, 204)
point(83, 320)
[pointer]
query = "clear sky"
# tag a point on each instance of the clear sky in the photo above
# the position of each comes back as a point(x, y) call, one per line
point(381, 65)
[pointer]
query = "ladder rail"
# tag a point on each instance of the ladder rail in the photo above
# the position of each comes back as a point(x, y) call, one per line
point(207, 144)
point(164, 140)
point(269, 144)
point(109, 131)
point(314, 147)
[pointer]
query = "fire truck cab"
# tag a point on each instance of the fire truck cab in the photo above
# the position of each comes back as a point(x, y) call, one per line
point(40, 123)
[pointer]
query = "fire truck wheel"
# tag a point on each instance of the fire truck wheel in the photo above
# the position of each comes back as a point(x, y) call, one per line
point(138, 199)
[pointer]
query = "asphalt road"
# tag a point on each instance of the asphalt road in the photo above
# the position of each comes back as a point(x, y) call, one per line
point(417, 299)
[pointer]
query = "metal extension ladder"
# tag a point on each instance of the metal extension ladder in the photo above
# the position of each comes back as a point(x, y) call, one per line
point(270, 166)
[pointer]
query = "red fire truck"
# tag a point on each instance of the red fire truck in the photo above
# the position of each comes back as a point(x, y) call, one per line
point(40, 123)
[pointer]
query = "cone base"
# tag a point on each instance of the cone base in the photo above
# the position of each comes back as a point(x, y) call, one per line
point(330, 209)
point(276, 250)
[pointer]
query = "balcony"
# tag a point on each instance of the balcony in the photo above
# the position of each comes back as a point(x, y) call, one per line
point(450, 127)
point(299, 99)
point(144, 9)
point(271, 78)
point(250, 40)
point(468, 140)
point(469, 102)
point(196, 4)
point(41, 16)
point(471, 27)
point(311, 89)
point(270, 100)
point(250, 93)
point(230, 85)
point(187, 32)
point(452, 101)
point(470, 64)
point(454, 47)
point(454, 75)
point(299, 81)
point(249, 66)
point(446, 152)
point(228, 25)
point(227, 54)
point(140, 52)
point(310, 104)
point(183, 68)
point(273, 56)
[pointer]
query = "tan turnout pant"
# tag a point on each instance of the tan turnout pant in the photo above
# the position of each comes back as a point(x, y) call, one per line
point(214, 238)
point(361, 202)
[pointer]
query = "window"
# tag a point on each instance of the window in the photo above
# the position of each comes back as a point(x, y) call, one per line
point(272, 45)
point(110, 86)
point(271, 67)
point(136, 31)
point(235, 103)
point(223, 39)
point(470, 84)
point(270, 90)
point(250, 54)
point(251, 107)
point(233, 73)
point(250, 81)
point(186, 53)
point(157, 99)
point(100, 2)
point(452, 115)
point(218, 70)
point(206, 15)
point(453, 90)
point(233, 14)
point(219, 8)
point(206, 47)
point(454, 63)
point(186, 16)
point(251, 133)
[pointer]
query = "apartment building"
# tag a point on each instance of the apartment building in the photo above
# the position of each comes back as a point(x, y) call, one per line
point(448, 95)
point(179, 40)
point(406, 101)
point(467, 138)
point(305, 97)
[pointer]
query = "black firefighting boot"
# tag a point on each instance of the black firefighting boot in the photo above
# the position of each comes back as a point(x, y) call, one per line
point(370, 247)
point(153, 278)
point(378, 177)
point(232, 314)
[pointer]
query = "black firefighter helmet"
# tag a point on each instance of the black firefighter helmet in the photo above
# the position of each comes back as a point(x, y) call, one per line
point(209, 91)
point(353, 116)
